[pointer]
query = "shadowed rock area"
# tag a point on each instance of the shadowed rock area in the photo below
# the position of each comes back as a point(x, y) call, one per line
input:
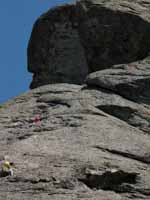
point(84, 131)
point(70, 41)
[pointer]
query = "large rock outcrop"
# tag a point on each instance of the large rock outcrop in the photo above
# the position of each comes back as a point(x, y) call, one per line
point(93, 139)
point(77, 151)
point(70, 41)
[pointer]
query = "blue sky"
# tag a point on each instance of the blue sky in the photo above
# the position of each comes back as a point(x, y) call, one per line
point(16, 20)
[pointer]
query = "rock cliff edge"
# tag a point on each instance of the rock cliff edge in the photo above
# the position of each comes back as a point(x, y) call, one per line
point(91, 72)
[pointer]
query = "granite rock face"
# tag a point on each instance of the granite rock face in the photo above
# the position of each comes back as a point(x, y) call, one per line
point(92, 137)
point(89, 144)
point(73, 40)
point(131, 81)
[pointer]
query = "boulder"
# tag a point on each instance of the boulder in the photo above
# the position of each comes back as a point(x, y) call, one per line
point(131, 81)
point(73, 40)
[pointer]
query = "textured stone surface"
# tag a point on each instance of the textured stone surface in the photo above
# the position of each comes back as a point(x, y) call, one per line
point(76, 151)
point(131, 81)
point(70, 41)
point(92, 140)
